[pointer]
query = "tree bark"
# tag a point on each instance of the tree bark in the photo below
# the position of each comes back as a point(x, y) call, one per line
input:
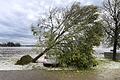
point(42, 53)
point(48, 48)
point(115, 42)
point(114, 50)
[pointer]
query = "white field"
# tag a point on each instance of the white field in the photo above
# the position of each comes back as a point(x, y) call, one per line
point(9, 56)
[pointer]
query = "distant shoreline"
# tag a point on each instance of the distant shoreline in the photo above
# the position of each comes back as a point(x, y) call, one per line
point(21, 46)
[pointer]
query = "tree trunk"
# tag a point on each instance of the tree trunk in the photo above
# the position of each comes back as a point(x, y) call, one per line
point(114, 50)
point(42, 53)
point(48, 48)
point(115, 43)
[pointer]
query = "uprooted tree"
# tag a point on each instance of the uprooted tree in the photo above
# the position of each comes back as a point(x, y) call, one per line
point(111, 18)
point(73, 30)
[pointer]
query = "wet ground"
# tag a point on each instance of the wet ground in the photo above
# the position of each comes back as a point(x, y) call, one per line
point(113, 74)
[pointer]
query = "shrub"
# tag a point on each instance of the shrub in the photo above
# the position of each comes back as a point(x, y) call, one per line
point(24, 60)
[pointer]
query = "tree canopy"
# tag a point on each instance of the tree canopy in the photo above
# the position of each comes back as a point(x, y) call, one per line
point(111, 19)
point(72, 33)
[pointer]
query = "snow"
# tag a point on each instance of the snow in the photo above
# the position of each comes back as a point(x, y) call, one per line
point(7, 61)
point(112, 65)
point(107, 65)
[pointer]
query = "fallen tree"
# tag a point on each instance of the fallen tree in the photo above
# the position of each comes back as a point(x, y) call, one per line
point(70, 33)
point(78, 28)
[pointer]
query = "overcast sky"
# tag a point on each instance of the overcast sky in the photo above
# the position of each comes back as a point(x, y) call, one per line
point(16, 16)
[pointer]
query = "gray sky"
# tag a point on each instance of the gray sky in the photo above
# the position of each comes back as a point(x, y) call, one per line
point(16, 16)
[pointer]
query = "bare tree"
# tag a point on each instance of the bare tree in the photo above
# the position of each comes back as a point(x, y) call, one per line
point(112, 23)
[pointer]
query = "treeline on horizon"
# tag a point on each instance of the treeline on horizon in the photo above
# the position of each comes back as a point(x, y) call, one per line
point(10, 44)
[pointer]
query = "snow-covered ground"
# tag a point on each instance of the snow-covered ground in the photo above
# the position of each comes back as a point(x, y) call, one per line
point(9, 56)
point(107, 64)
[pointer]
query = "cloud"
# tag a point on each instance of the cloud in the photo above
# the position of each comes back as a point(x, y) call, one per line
point(16, 16)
